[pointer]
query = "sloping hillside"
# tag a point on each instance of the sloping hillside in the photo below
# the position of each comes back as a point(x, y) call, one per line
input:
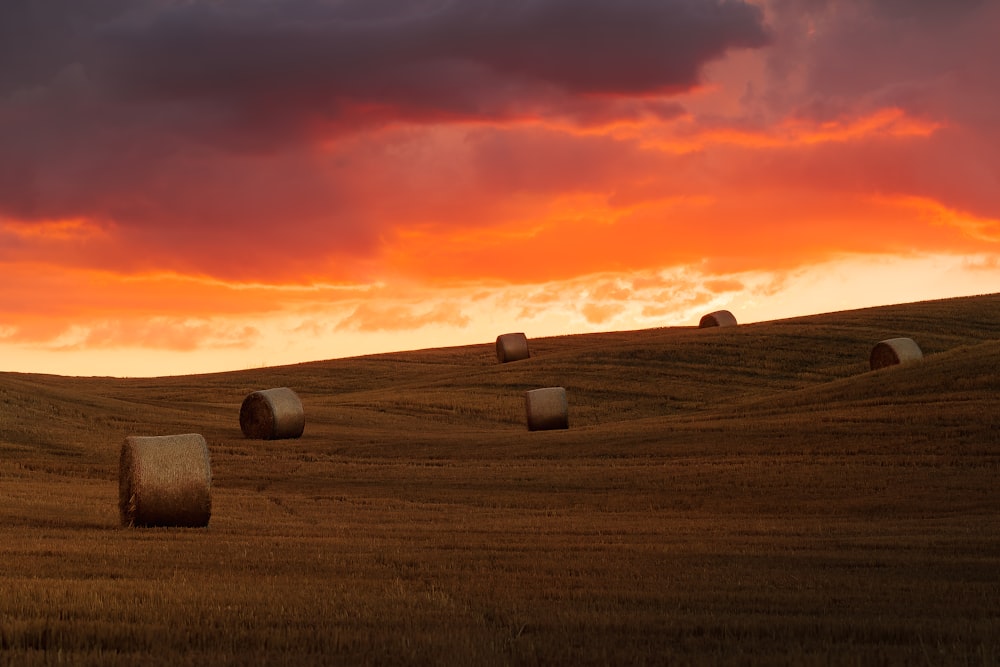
point(750, 494)
point(635, 388)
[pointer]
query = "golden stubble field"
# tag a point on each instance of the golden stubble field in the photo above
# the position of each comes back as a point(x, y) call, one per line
point(730, 496)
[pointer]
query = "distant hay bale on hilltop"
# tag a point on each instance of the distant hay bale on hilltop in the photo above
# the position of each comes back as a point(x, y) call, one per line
point(165, 481)
point(272, 414)
point(894, 351)
point(720, 318)
point(546, 408)
point(512, 347)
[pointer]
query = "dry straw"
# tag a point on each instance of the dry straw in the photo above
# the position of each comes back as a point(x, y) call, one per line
point(165, 481)
point(720, 318)
point(894, 351)
point(272, 414)
point(546, 408)
point(512, 347)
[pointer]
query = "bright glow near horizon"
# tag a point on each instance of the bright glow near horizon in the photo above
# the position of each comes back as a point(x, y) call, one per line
point(606, 302)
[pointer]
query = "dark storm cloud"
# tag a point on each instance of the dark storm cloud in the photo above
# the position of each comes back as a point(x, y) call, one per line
point(459, 57)
point(935, 60)
point(262, 63)
point(39, 38)
point(178, 118)
point(883, 52)
point(925, 10)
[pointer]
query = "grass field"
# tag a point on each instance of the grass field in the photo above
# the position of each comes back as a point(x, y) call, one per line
point(752, 495)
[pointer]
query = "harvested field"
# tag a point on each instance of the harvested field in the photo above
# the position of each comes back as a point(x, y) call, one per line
point(746, 495)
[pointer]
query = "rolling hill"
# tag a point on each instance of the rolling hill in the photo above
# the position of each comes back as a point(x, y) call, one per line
point(747, 494)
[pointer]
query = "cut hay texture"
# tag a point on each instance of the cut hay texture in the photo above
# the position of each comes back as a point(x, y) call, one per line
point(512, 347)
point(894, 351)
point(546, 409)
point(272, 414)
point(720, 318)
point(165, 481)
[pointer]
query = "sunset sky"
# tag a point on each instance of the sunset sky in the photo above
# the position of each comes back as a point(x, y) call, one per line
point(200, 185)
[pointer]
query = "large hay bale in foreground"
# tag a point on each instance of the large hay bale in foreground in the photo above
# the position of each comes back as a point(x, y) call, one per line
point(894, 351)
point(165, 481)
point(546, 408)
point(720, 318)
point(272, 414)
point(512, 347)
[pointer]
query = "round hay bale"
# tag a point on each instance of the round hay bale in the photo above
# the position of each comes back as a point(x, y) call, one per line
point(720, 318)
point(165, 481)
point(272, 414)
point(894, 351)
point(512, 347)
point(546, 408)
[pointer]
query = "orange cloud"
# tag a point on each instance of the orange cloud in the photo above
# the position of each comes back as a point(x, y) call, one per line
point(775, 228)
point(52, 232)
point(791, 132)
point(972, 226)
point(372, 317)
point(43, 302)
point(720, 286)
point(599, 313)
point(160, 333)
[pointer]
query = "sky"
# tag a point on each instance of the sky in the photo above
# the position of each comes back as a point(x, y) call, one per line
point(191, 186)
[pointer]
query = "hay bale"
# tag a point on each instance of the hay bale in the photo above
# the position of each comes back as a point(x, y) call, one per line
point(272, 414)
point(512, 347)
point(894, 351)
point(720, 318)
point(165, 481)
point(546, 408)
